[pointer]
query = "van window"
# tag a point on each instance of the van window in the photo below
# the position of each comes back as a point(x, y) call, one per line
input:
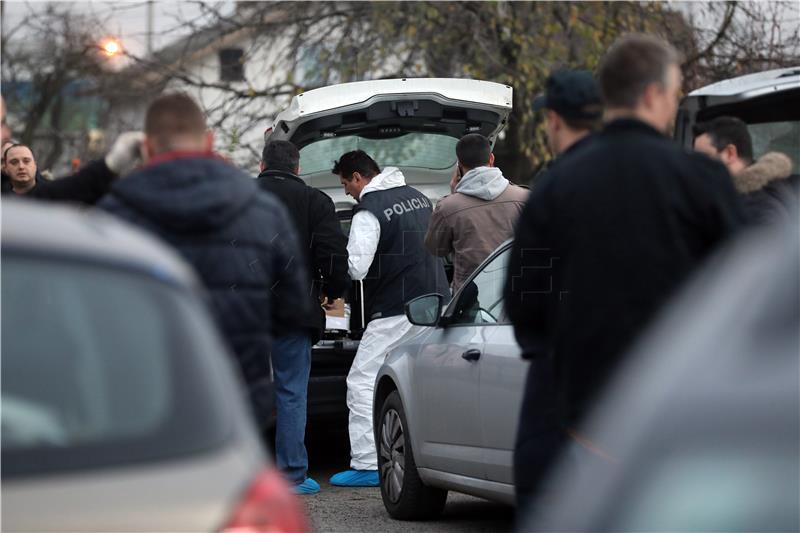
point(425, 150)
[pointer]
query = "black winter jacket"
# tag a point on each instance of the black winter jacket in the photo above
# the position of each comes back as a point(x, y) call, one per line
point(605, 239)
point(321, 239)
point(87, 185)
point(238, 238)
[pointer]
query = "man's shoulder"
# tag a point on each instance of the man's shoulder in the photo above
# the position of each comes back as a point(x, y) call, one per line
point(516, 192)
point(449, 204)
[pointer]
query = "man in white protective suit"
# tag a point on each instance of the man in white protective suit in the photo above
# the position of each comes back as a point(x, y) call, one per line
point(386, 250)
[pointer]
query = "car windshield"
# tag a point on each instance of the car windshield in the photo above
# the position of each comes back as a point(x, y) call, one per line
point(425, 150)
point(100, 367)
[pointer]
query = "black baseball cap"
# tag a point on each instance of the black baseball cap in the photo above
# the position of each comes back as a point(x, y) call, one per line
point(571, 94)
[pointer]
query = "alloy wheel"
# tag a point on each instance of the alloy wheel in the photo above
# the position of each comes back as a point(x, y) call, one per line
point(393, 454)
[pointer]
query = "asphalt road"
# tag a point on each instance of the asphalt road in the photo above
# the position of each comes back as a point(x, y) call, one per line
point(337, 509)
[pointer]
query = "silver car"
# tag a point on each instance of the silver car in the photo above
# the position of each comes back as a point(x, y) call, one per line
point(120, 406)
point(447, 400)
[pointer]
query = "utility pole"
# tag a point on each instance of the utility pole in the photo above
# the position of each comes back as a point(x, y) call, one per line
point(149, 27)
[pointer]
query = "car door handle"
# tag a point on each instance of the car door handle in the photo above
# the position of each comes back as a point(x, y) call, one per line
point(471, 355)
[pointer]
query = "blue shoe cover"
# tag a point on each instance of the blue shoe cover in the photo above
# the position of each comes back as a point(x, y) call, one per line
point(356, 478)
point(309, 486)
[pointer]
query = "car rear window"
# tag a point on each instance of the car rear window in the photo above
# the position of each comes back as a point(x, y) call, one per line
point(424, 150)
point(102, 366)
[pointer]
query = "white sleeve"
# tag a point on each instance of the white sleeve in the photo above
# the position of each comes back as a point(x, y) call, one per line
point(365, 232)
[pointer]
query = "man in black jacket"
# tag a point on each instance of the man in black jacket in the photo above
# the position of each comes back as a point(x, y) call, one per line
point(325, 253)
point(573, 111)
point(615, 228)
point(238, 238)
point(87, 185)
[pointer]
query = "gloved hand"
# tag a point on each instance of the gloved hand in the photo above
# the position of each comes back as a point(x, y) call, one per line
point(125, 153)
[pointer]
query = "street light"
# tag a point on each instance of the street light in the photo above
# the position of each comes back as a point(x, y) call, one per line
point(111, 47)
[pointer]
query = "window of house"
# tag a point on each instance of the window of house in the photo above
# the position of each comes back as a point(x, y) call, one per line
point(231, 64)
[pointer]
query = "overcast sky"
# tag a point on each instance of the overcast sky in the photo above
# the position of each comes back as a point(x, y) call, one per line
point(127, 19)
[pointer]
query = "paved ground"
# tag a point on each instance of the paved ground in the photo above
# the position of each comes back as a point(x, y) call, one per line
point(338, 509)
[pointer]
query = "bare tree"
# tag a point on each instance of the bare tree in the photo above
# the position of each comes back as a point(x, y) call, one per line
point(51, 71)
point(291, 47)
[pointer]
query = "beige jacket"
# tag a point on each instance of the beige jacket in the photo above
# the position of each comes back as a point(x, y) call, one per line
point(472, 222)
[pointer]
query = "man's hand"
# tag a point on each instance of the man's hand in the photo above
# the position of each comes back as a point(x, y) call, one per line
point(327, 303)
point(455, 179)
point(125, 153)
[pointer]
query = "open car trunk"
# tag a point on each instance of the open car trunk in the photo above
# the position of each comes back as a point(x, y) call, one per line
point(411, 123)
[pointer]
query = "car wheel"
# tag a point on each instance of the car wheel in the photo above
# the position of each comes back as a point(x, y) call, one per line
point(404, 494)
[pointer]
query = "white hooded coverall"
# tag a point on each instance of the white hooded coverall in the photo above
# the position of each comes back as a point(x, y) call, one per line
point(379, 337)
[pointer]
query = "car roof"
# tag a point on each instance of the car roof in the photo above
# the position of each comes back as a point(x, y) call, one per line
point(90, 234)
point(752, 85)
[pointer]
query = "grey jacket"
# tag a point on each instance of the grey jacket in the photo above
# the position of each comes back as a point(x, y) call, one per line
point(474, 220)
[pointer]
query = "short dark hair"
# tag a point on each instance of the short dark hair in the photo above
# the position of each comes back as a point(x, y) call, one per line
point(280, 155)
point(172, 115)
point(631, 64)
point(728, 130)
point(473, 150)
point(356, 161)
point(18, 145)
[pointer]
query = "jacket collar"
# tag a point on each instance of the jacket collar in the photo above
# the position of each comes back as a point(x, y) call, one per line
point(577, 144)
point(280, 174)
point(623, 125)
point(772, 166)
point(182, 154)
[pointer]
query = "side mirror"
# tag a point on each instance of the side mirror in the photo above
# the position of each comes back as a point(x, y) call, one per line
point(425, 310)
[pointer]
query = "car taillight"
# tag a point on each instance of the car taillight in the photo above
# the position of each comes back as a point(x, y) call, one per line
point(268, 506)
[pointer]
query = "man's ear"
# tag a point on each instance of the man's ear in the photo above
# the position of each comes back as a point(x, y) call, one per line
point(729, 153)
point(209, 141)
point(147, 149)
point(297, 170)
point(651, 94)
point(491, 160)
point(261, 166)
point(357, 176)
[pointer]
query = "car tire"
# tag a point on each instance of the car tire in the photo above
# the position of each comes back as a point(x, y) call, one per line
point(404, 494)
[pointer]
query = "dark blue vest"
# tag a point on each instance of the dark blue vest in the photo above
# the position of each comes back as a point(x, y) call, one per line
point(402, 269)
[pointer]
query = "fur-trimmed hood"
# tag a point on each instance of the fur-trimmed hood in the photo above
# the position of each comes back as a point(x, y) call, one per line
point(770, 167)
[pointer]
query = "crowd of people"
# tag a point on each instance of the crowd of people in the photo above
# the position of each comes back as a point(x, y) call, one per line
point(611, 228)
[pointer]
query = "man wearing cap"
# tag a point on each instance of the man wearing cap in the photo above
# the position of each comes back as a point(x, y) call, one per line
point(573, 110)
point(606, 238)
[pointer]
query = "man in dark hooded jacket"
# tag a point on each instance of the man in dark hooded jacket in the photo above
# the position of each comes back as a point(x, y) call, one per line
point(237, 237)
